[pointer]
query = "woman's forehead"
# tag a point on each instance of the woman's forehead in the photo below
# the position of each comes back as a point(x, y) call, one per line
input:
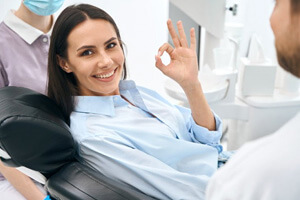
point(91, 30)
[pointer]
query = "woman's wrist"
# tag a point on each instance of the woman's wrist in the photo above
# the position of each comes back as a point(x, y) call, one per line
point(191, 87)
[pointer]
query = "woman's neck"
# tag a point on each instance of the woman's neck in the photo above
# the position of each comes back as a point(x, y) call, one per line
point(43, 23)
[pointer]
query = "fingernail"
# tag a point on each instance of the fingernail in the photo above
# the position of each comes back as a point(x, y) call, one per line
point(158, 53)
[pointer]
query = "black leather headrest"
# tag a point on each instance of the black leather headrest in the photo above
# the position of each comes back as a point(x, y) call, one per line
point(33, 130)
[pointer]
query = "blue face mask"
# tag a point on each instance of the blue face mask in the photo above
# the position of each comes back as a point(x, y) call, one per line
point(43, 7)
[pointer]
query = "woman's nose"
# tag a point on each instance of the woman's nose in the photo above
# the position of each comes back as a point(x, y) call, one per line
point(105, 60)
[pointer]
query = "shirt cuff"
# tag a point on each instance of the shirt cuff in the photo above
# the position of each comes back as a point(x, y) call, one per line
point(47, 197)
point(205, 136)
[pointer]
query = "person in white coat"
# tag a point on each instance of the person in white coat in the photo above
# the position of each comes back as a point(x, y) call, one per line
point(268, 168)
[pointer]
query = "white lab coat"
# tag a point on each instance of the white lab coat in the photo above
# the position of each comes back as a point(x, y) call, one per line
point(265, 169)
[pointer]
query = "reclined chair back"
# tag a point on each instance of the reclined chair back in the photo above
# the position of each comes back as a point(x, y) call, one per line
point(33, 131)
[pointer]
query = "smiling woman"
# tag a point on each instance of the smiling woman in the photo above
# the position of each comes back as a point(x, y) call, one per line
point(130, 133)
point(96, 60)
point(85, 55)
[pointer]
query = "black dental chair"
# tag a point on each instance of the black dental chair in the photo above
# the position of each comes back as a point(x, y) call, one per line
point(34, 134)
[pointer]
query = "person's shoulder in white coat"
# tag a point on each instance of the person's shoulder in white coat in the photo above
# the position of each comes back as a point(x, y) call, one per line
point(267, 168)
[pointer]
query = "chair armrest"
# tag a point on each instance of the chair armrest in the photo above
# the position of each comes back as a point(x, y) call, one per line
point(76, 182)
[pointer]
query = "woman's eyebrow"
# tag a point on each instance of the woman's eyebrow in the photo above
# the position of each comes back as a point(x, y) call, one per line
point(86, 47)
point(92, 46)
point(111, 39)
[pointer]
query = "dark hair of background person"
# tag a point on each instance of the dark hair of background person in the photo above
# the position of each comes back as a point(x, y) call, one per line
point(295, 6)
point(63, 86)
point(288, 48)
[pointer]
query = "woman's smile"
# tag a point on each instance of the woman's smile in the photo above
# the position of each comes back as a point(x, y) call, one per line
point(106, 77)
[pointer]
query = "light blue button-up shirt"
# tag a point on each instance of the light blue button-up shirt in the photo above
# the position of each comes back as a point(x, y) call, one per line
point(153, 146)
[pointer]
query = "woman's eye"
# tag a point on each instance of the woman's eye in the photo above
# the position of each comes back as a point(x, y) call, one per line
point(86, 53)
point(111, 45)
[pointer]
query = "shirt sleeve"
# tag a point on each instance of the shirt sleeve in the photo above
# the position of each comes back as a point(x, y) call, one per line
point(196, 133)
point(201, 134)
point(118, 159)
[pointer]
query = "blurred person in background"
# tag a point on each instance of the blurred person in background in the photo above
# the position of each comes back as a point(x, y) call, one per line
point(24, 45)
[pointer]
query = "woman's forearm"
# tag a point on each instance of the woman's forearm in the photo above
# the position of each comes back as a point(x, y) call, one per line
point(22, 183)
point(201, 111)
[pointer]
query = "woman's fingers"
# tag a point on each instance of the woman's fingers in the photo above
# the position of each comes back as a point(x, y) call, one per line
point(181, 41)
point(173, 33)
point(164, 48)
point(193, 39)
point(182, 36)
point(159, 64)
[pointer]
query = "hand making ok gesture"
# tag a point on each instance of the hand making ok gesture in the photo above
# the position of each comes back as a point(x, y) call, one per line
point(183, 66)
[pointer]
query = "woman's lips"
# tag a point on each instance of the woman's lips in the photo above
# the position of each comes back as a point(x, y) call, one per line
point(106, 77)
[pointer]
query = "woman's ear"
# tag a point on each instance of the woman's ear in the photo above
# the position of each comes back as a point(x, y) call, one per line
point(63, 64)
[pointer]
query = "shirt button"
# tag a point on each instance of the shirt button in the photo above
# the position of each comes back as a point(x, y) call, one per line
point(45, 39)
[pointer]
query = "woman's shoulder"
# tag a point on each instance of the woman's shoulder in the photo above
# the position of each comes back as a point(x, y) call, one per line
point(130, 85)
point(6, 34)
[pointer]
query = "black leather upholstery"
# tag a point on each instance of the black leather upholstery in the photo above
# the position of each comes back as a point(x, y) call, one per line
point(78, 182)
point(34, 133)
point(24, 115)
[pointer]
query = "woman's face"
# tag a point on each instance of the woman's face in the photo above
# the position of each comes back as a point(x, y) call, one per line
point(95, 57)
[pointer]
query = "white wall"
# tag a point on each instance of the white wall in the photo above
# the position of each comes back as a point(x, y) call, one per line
point(5, 6)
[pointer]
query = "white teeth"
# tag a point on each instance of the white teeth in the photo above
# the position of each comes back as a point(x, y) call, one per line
point(105, 75)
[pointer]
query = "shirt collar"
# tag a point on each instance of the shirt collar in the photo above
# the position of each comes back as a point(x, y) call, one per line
point(24, 30)
point(105, 105)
